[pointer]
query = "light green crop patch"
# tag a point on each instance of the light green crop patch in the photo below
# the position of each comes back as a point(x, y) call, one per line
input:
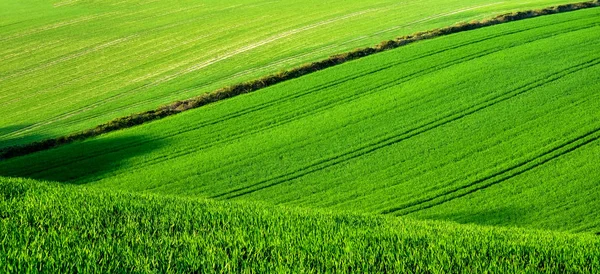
point(70, 65)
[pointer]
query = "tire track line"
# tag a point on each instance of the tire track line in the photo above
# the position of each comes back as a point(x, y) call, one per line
point(69, 57)
point(417, 171)
point(431, 53)
point(391, 140)
point(305, 115)
point(259, 44)
point(234, 137)
point(370, 89)
point(323, 107)
point(143, 32)
point(76, 112)
point(79, 76)
point(362, 74)
point(275, 64)
point(499, 177)
point(56, 26)
point(434, 17)
point(295, 96)
point(147, 51)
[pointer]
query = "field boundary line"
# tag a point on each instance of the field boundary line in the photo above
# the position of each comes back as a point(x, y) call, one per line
point(273, 79)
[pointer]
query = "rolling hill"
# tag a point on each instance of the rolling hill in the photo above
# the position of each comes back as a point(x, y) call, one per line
point(68, 65)
point(98, 231)
point(454, 148)
point(496, 126)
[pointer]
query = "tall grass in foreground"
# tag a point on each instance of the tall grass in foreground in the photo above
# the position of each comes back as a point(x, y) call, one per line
point(63, 229)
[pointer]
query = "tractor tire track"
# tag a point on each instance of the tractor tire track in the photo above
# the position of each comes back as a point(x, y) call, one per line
point(417, 171)
point(83, 109)
point(316, 52)
point(324, 107)
point(391, 140)
point(76, 112)
point(434, 17)
point(316, 88)
point(499, 177)
point(66, 58)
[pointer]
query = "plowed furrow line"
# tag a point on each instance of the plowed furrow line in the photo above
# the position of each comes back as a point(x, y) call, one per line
point(244, 133)
point(68, 57)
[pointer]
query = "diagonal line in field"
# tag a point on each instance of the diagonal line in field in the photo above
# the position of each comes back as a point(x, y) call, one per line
point(498, 177)
point(382, 68)
point(388, 141)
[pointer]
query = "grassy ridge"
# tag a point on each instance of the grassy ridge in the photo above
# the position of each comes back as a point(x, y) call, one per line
point(51, 228)
point(238, 89)
point(507, 112)
point(71, 65)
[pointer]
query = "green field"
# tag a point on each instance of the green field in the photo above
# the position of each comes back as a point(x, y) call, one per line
point(473, 152)
point(111, 232)
point(68, 65)
point(442, 129)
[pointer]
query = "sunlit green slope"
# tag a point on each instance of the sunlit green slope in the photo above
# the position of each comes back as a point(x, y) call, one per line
point(495, 126)
point(68, 65)
point(47, 228)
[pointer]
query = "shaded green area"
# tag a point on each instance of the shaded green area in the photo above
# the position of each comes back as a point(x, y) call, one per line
point(49, 228)
point(111, 158)
point(69, 65)
point(493, 126)
point(9, 129)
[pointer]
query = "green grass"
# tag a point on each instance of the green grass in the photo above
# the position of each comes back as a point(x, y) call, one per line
point(68, 65)
point(497, 126)
point(51, 228)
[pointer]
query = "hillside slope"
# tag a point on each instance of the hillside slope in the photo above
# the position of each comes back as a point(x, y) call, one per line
point(67, 65)
point(495, 126)
point(49, 228)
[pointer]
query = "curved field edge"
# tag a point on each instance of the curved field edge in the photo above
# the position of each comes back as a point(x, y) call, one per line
point(54, 228)
point(130, 56)
point(270, 80)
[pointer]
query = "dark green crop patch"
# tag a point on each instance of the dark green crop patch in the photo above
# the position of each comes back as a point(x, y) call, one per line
point(65, 229)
